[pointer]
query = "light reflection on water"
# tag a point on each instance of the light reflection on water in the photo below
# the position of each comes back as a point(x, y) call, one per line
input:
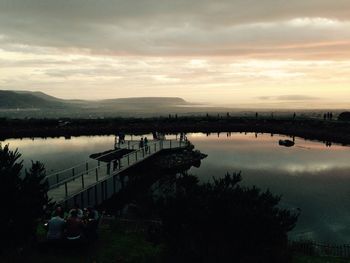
point(309, 175)
point(59, 153)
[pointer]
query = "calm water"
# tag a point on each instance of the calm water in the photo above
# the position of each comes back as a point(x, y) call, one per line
point(309, 176)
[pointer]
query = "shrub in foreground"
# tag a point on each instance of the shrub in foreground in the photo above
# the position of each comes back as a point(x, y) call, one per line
point(224, 222)
point(23, 197)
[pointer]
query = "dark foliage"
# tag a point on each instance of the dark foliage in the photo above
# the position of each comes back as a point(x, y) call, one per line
point(22, 197)
point(308, 128)
point(224, 222)
point(344, 116)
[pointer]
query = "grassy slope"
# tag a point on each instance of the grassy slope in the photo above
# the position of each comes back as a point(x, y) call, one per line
point(307, 259)
point(114, 246)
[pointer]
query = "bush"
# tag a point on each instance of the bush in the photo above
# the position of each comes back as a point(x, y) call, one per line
point(22, 197)
point(224, 222)
point(344, 116)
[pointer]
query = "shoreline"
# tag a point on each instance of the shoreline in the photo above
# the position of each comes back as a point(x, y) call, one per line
point(311, 129)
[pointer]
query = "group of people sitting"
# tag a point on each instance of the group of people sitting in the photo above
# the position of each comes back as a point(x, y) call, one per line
point(76, 225)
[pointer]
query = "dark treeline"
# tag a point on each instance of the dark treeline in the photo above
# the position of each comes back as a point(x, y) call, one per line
point(218, 221)
point(315, 129)
point(23, 197)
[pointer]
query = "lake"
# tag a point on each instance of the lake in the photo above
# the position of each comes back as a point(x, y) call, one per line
point(311, 175)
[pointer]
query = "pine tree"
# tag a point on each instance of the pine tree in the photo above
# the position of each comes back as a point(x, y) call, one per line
point(23, 198)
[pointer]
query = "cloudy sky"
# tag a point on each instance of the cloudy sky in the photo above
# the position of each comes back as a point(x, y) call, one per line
point(252, 53)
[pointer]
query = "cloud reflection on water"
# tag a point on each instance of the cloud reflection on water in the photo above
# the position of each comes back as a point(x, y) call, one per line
point(309, 176)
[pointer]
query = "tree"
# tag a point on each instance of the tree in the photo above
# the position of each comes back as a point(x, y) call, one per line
point(344, 116)
point(23, 197)
point(224, 222)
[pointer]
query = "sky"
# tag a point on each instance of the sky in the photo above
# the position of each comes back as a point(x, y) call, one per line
point(239, 53)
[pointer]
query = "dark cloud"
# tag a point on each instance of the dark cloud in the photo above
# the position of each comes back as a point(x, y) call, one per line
point(167, 27)
point(224, 50)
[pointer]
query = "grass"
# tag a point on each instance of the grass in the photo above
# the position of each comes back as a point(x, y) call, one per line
point(314, 259)
point(113, 246)
point(124, 247)
point(117, 246)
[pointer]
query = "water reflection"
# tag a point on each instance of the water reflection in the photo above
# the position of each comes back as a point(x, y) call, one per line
point(59, 153)
point(244, 152)
point(312, 176)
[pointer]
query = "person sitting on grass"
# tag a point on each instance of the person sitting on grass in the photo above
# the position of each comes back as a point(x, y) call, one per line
point(56, 226)
point(76, 208)
point(74, 227)
point(92, 220)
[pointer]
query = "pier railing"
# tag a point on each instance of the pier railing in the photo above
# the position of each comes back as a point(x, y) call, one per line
point(81, 168)
point(69, 181)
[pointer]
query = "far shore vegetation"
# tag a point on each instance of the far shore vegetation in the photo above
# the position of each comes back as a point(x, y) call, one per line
point(328, 128)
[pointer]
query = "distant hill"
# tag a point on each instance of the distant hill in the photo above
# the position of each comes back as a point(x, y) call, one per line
point(155, 101)
point(40, 100)
point(27, 100)
point(39, 94)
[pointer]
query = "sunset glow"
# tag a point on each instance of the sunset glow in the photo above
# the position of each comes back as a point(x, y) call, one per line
point(235, 53)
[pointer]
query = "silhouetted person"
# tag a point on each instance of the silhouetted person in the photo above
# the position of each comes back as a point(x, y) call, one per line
point(294, 116)
point(141, 144)
point(256, 115)
point(74, 226)
point(78, 210)
point(146, 144)
point(324, 116)
point(183, 136)
point(121, 138)
point(108, 168)
point(92, 223)
point(155, 137)
point(115, 165)
point(56, 226)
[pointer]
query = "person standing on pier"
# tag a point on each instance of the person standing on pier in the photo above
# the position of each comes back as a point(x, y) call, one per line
point(141, 143)
point(146, 144)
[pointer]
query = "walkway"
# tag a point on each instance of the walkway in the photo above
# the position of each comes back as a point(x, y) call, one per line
point(68, 183)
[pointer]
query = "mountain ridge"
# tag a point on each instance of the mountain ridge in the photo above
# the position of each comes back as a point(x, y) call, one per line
point(18, 99)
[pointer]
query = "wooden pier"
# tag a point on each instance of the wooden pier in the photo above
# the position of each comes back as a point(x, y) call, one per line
point(92, 182)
